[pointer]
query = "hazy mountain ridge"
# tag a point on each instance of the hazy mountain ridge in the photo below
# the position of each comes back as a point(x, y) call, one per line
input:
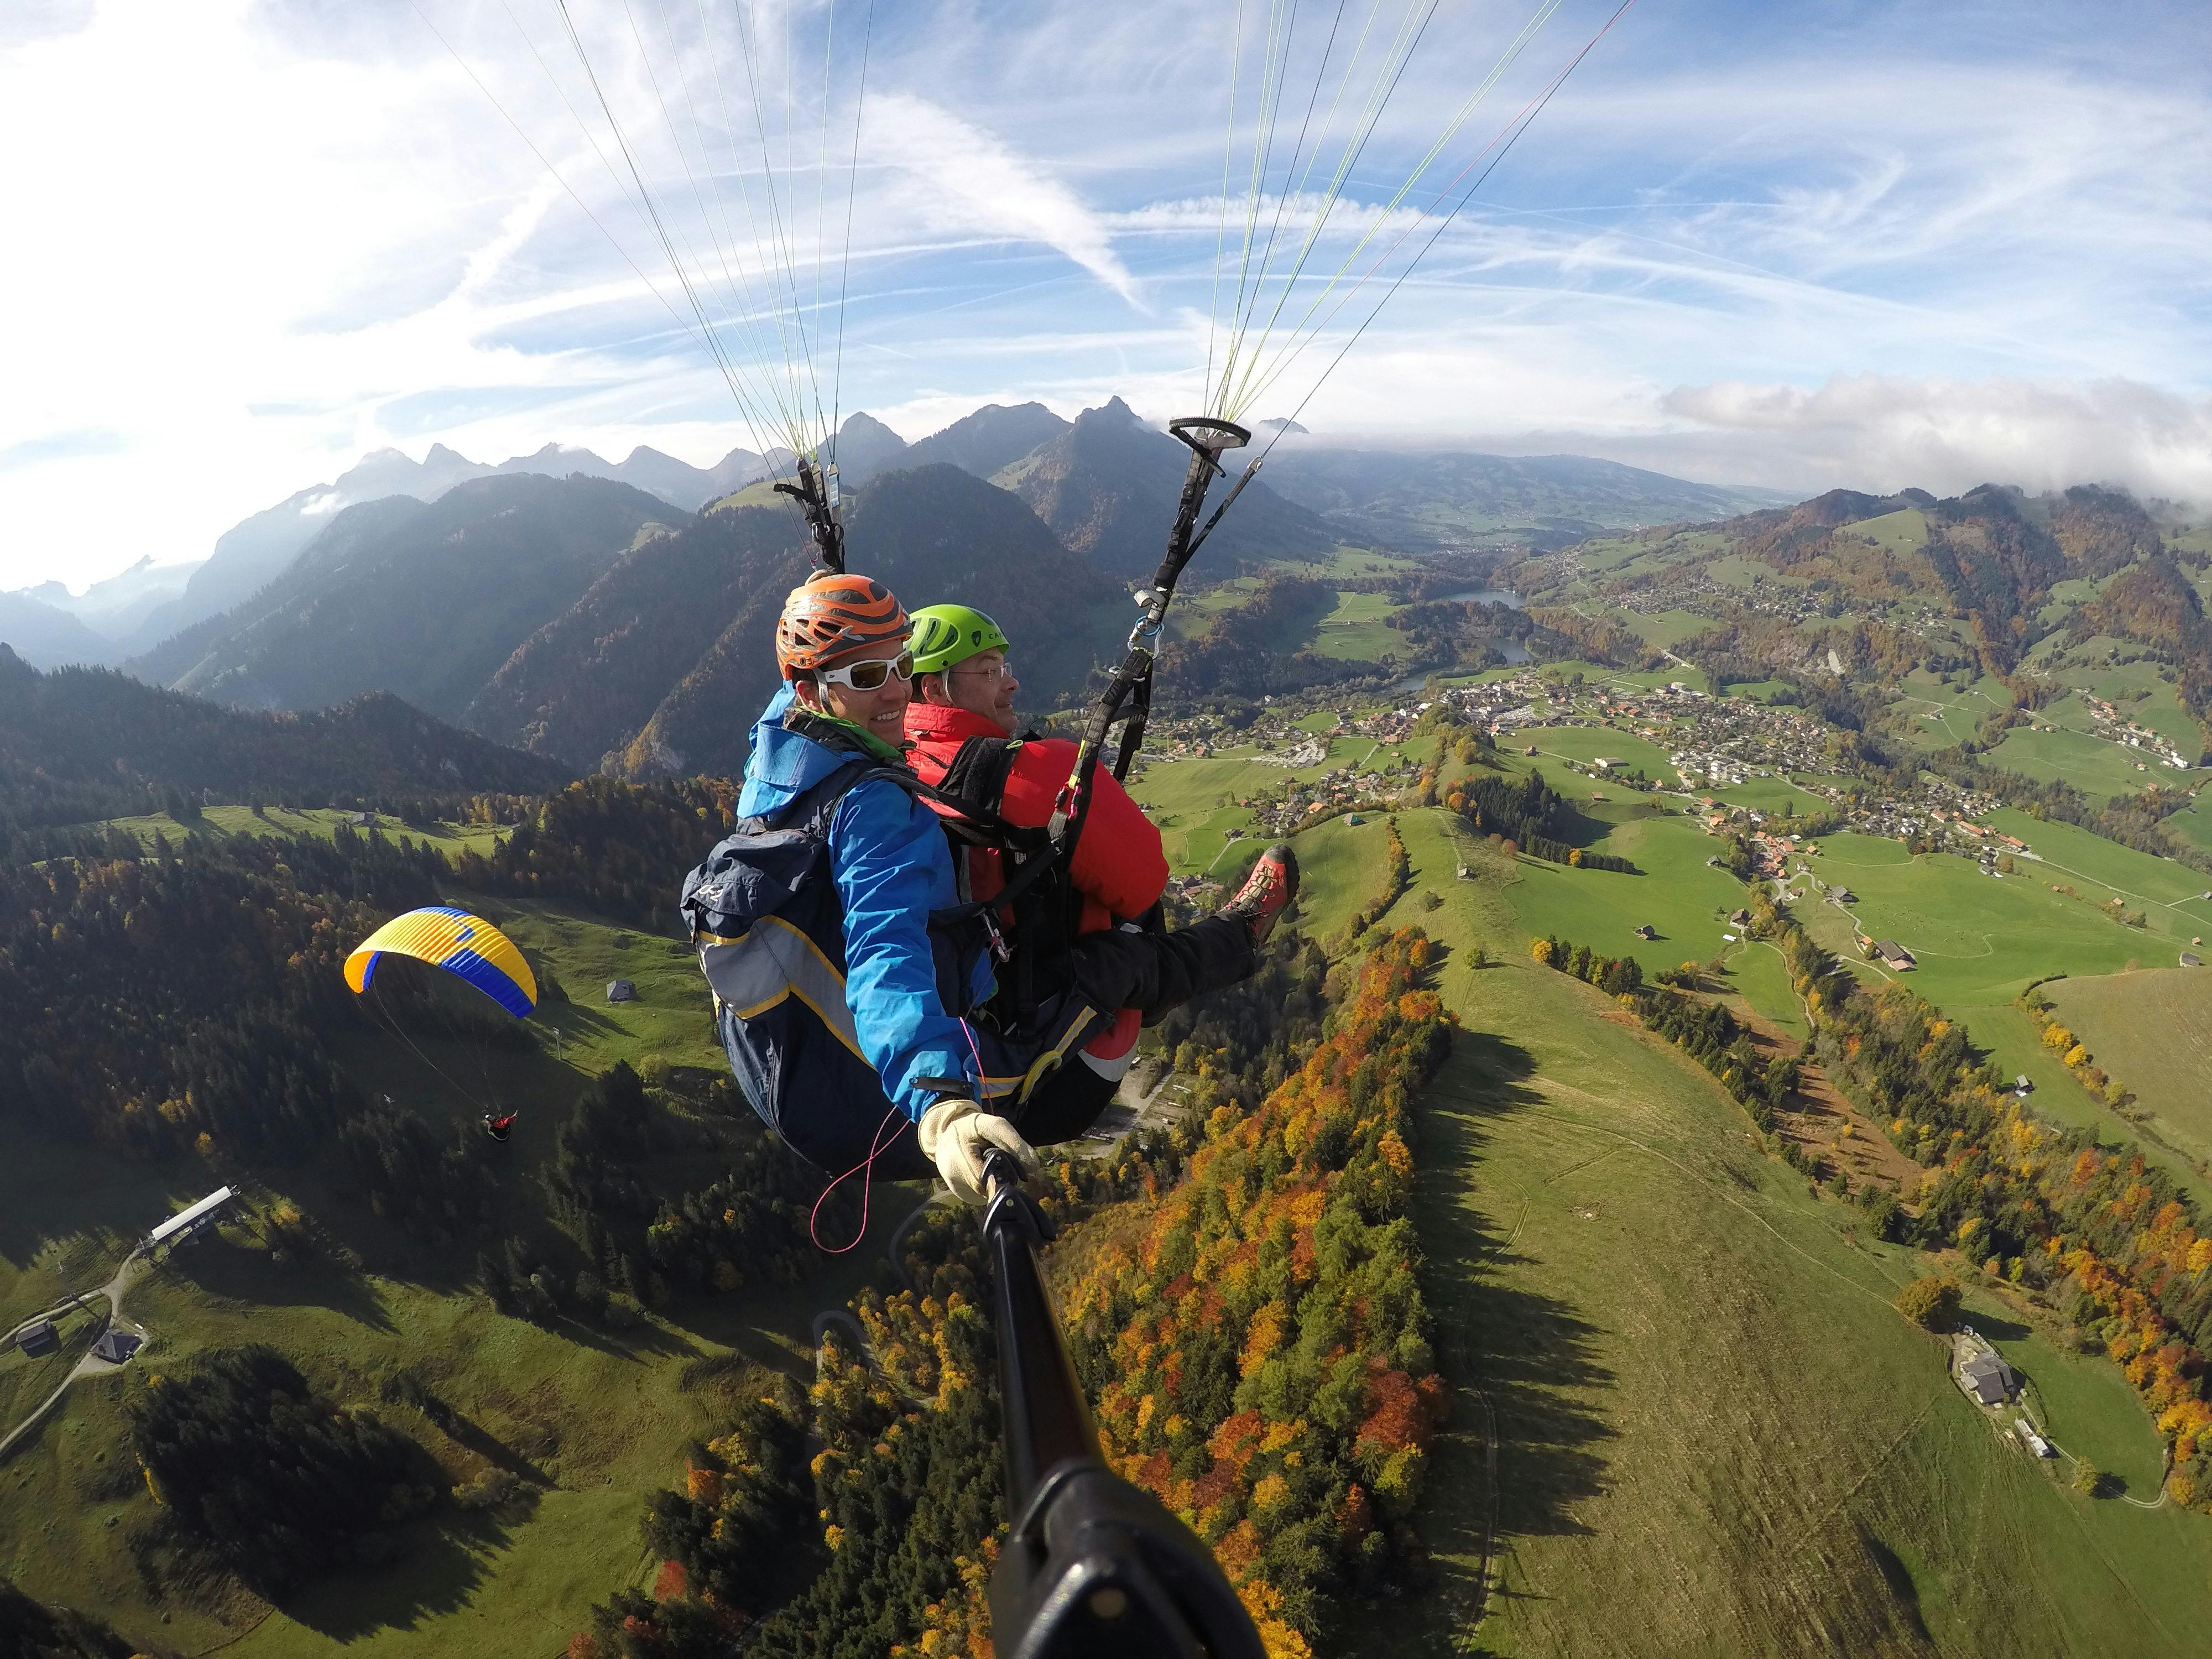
point(45, 637)
point(1108, 486)
point(1450, 497)
point(80, 744)
point(1098, 493)
point(426, 601)
point(581, 619)
point(260, 548)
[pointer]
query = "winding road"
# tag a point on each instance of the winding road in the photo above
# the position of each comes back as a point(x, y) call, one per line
point(132, 1269)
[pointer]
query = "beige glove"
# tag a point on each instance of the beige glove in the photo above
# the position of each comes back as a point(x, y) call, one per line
point(956, 1135)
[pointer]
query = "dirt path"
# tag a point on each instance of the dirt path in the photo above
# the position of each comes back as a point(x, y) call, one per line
point(134, 1266)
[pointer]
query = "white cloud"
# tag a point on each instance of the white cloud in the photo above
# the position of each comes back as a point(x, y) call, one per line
point(1882, 433)
point(969, 180)
point(1862, 244)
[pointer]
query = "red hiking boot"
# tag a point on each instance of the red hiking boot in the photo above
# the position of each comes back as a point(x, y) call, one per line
point(1266, 893)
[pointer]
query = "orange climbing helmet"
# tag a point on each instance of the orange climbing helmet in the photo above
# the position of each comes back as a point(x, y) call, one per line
point(831, 617)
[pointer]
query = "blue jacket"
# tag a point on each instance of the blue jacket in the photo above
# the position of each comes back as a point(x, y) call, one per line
point(892, 867)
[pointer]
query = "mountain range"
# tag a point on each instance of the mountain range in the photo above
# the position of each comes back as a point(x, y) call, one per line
point(585, 620)
point(1438, 498)
point(617, 617)
point(1104, 482)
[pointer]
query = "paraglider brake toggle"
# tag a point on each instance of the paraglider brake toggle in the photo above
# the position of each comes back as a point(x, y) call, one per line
point(1094, 1566)
point(818, 499)
point(1209, 437)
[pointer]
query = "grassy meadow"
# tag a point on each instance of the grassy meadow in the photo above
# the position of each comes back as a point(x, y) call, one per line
point(1714, 1435)
point(591, 1421)
point(2098, 768)
point(2152, 1031)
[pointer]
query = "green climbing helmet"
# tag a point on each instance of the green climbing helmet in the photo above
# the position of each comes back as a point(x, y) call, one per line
point(945, 635)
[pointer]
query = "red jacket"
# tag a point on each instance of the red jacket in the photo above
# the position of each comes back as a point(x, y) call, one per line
point(1119, 866)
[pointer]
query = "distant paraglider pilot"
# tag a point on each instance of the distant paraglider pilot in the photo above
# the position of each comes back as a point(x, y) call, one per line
point(464, 949)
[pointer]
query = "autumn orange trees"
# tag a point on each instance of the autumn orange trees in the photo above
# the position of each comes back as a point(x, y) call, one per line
point(1260, 1356)
point(1249, 1324)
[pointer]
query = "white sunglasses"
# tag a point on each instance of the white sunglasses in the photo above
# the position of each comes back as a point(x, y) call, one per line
point(869, 675)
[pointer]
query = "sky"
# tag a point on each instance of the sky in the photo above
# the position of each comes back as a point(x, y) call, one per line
point(1801, 246)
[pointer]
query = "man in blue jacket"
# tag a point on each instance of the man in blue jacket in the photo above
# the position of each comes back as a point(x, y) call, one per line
point(802, 994)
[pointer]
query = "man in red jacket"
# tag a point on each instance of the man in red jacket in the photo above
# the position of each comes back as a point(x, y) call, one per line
point(965, 690)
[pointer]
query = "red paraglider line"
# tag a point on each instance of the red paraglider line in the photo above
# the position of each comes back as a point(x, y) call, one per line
point(876, 1147)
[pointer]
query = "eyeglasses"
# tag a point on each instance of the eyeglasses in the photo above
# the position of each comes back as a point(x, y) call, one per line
point(1004, 671)
point(869, 675)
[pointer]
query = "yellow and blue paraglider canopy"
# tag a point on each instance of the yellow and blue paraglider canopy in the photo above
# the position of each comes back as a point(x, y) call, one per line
point(466, 946)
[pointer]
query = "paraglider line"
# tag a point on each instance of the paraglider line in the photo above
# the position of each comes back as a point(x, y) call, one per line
point(852, 190)
point(612, 240)
point(866, 1168)
point(1516, 128)
point(390, 1021)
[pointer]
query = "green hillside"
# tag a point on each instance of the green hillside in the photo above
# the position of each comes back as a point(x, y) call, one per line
point(591, 1419)
point(2153, 1029)
point(216, 824)
point(1714, 1435)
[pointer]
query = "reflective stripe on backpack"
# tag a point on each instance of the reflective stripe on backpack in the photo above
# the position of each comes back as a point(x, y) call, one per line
point(765, 916)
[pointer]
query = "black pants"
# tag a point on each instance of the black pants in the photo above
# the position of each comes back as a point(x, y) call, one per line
point(1154, 973)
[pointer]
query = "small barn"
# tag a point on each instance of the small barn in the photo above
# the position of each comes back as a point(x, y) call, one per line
point(38, 1338)
point(2190, 959)
point(1895, 955)
point(1739, 918)
point(1647, 930)
point(116, 1345)
point(620, 990)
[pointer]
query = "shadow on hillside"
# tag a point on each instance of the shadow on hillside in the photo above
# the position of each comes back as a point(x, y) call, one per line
point(1997, 1326)
point(217, 1267)
point(465, 1431)
point(1529, 1358)
point(638, 1344)
point(438, 1575)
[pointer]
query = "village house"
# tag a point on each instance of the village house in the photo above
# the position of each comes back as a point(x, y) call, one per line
point(1893, 956)
point(1980, 1370)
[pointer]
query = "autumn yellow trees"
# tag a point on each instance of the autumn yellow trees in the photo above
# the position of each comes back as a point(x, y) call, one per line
point(1261, 1352)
